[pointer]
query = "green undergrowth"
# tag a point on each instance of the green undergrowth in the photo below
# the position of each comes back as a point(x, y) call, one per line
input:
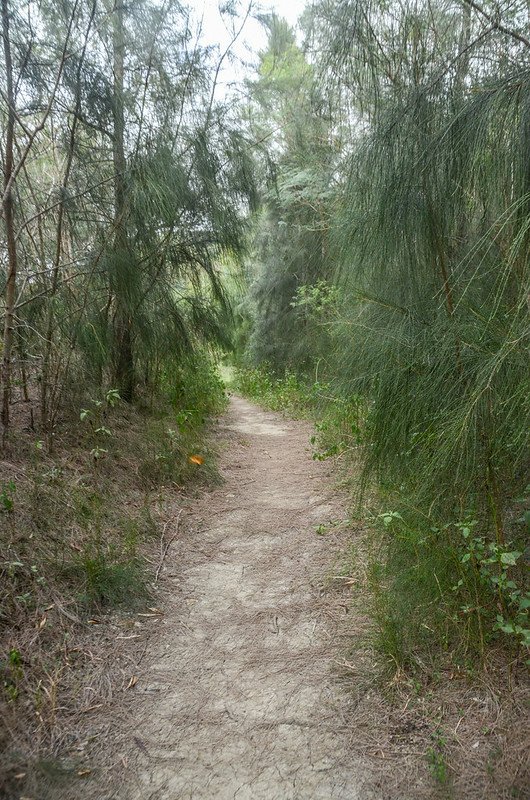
point(76, 519)
point(447, 591)
point(287, 393)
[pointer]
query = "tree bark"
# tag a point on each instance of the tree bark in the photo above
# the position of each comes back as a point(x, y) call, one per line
point(59, 239)
point(8, 213)
point(124, 368)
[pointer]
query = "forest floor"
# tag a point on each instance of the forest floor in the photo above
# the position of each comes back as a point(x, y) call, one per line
point(235, 697)
point(249, 687)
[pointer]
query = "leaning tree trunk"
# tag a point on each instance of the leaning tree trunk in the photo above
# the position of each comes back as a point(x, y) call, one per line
point(124, 366)
point(8, 213)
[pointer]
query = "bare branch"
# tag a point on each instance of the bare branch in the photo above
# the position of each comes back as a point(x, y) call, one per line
point(496, 24)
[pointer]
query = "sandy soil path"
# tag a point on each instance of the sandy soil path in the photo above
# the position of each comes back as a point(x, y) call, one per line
point(238, 698)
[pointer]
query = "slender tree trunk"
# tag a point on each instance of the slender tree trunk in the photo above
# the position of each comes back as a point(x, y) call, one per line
point(46, 361)
point(59, 239)
point(23, 372)
point(124, 368)
point(8, 213)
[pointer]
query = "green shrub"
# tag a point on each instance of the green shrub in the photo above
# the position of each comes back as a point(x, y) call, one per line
point(278, 393)
point(194, 386)
point(444, 586)
point(110, 583)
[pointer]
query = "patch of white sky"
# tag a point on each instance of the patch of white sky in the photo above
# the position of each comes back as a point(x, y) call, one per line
point(219, 28)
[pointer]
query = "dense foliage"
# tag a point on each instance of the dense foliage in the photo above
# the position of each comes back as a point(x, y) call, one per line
point(391, 270)
point(124, 182)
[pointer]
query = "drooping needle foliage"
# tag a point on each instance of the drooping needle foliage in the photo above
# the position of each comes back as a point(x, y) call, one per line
point(126, 181)
point(414, 301)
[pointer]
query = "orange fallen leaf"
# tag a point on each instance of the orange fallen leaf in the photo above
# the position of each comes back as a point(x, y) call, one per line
point(196, 460)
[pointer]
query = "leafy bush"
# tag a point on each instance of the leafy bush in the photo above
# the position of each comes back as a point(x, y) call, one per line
point(194, 386)
point(445, 585)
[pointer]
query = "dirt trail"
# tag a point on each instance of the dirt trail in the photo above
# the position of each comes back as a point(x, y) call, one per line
point(237, 699)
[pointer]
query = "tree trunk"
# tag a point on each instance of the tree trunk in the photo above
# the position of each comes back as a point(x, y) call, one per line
point(124, 367)
point(59, 238)
point(8, 212)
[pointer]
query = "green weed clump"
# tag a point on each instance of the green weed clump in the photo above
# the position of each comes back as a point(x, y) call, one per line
point(107, 568)
point(106, 583)
point(193, 387)
point(287, 392)
point(446, 587)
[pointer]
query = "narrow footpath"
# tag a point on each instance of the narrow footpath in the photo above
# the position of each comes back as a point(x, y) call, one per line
point(238, 697)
